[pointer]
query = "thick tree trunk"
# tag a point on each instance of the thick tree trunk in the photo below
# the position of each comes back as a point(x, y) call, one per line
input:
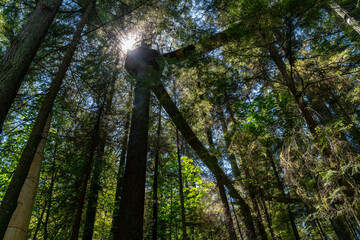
point(155, 184)
point(209, 160)
point(19, 223)
point(87, 173)
point(20, 54)
point(133, 191)
point(9, 202)
point(181, 189)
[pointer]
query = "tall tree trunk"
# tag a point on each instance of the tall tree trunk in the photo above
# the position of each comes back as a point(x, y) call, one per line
point(94, 190)
point(120, 175)
point(280, 186)
point(23, 48)
point(87, 173)
point(181, 189)
point(237, 221)
point(9, 202)
point(95, 180)
point(227, 213)
point(210, 161)
point(255, 205)
point(312, 124)
point(133, 191)
point(20, 220)
point(155, 184)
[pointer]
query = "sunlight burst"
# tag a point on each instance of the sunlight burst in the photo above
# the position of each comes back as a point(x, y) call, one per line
point(129, 42)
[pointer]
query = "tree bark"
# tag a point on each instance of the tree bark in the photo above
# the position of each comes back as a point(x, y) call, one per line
point(283, 194)
point(227, 213)
point(139, 62)
point(20, 220)
point(95, 185)
point(181, 189)
point(312, 124)
point(155, 184)
point(120, 175)
point(9, 202)
point(209, 160)
point(87, 173)
point(20, 54)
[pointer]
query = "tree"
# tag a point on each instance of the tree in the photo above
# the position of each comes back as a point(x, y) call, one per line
point(22, 51)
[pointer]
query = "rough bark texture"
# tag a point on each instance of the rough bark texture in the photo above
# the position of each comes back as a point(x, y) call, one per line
point(19, 223)
point(140, 63)
point(9, 203)
point(18, 57)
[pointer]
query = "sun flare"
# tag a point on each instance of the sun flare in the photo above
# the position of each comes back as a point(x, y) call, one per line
point(129, 42)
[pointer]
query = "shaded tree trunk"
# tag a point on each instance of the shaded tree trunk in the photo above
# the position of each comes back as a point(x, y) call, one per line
point(227, 213)
point(9, 203)
point(87, 173)
point(155, 184)
point(181, 189)
point(20, 220)
point(312, 124)
point(95, 185)
point(133, 190)
point(23, 48)
point(209, 160)
point(280, 186)
point(120, 175)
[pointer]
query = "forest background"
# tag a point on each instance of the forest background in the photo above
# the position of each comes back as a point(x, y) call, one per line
point(258, 138)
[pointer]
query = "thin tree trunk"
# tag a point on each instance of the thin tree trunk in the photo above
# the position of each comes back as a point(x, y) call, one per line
point(227, 213)
point(255, 205)
point(16, 62)
point(209, 160)
point(9, 202)
point(262, 205)
point(39, 222)
point(87, 173)
point(237, 221)
point(182, 202)
point(171, 210)
point(95, 186)
point(49, 201)
point(120, 175)
point(283, 194)
point(133, 191)
point(20, 220)
point(312, 124)
point(155, 185)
